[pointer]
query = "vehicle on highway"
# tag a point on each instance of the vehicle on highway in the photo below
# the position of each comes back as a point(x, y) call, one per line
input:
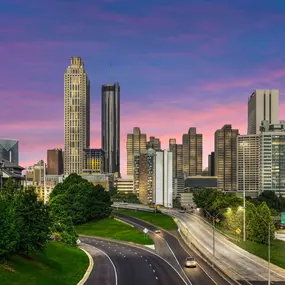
point(123, 203)
point(181, 211)
point(157, 231)
point(190, 262)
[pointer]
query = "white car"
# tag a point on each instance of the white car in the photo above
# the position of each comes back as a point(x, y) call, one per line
point(157, 231)
point(190, 262)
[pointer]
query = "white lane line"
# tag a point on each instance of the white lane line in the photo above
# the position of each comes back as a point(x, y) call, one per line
point(153, 270)
point(141, 256)
point(138, 225)
point(150, 265)
point(156, 278)
point(136, 253)
point(116, 274)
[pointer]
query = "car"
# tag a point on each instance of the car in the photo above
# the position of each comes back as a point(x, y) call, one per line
point(157, 231)
point(190, 262)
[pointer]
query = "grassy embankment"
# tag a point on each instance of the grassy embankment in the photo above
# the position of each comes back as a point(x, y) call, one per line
point(58, 264)
point(111, 228)
point(158, 219)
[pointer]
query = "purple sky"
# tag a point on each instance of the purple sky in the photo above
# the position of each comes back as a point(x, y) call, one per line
point(188, 64)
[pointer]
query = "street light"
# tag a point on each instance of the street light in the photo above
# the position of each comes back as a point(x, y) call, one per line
point(243, 144)
point(269, 240)
point(214, 218)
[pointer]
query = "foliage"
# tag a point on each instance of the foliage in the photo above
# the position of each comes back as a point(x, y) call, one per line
point(24, 220)
point(79, 199)
point(271, 199)
point(125, 197)
point(113, 191)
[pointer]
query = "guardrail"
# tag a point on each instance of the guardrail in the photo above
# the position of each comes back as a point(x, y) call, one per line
point(129, 207)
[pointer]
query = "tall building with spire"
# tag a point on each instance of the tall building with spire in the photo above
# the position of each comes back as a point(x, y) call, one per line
point(110, 127)
point(76, 115)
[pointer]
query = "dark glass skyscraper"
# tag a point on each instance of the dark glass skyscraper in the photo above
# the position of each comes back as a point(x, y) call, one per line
point(111, 127)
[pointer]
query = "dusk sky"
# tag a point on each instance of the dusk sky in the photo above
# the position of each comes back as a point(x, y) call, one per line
point(180, 64)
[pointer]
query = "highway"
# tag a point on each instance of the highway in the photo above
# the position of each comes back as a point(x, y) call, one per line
point(131, 265)
point(176, 251)
point(251, 269)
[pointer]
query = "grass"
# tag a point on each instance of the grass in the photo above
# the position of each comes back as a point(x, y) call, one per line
point(111, 228)
point(277, 250)
point(58, 264)
point(160, 220)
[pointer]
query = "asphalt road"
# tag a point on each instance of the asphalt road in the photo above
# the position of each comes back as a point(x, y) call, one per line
point(167, 245)
point(239, 260)
point(133, 265)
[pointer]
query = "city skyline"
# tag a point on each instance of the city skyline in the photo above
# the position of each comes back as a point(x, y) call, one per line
point(223, 73)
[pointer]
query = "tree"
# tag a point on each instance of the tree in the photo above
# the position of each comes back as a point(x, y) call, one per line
point(8, 232)
point(113, 191)
point(32, 221)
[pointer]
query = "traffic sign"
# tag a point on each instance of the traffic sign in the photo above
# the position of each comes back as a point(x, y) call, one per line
point(283, 218)
point(145, 230)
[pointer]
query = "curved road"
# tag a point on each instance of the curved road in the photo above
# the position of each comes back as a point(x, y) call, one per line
point(132, 265)
point(202, 274)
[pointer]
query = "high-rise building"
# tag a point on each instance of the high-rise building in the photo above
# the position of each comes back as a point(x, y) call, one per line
point(192, 153)
point(272, 140)
point(36, 172)
point(211, 164)
point(163, 179)
point(9, 150)
point(93, 161)
point(125, 185)
point(136, 143)
point(144, 176)
point(154, 143)
point(76, 116)
point(111, 127)
point(55, 161)
point(262, 105)
point(226, 158)
point(248, 164)
point(177, 167)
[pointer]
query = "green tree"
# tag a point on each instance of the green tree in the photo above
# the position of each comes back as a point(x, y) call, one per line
point(32, 221)
point(8, 232)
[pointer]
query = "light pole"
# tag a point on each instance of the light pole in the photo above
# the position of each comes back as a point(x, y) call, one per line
point(213, 225)
point(243, 144)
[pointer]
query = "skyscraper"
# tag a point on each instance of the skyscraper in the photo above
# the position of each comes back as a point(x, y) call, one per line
point(154, 143)
point(177, 167)
point(136, 143)
point(55, 161)
point(248, 164)
point(76, 116)
point(144, 176)
point(226, 158)
point(262, 105)
point(211, 164)
point(192, 153)
point(9, 150)
point(163, 178)
point(93, 161)
point(111, 127)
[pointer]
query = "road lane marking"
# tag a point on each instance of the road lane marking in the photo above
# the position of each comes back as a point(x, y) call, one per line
point(115, 271)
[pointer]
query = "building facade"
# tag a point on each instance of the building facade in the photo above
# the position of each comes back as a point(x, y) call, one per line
point(262, 105)
point(154, 143)
point(55, 161)
point(35, 174)
point(248, 165)
point(192, 153)
point(177, 167)
point(110, 127)
point(76, 116)
point(136, 143)
point(272, 140)
point(9, 150)
point(93, 161)
point(163, 194)
point(125, 185)
point(226, 158)
point(211, 164)
point(144, 176)
point(106, 180)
